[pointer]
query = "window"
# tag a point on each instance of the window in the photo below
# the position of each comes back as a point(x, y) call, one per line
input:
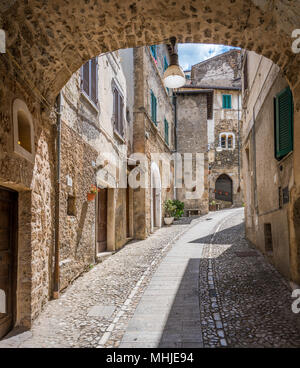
point(89, 80)
point(166, 64)
point(166, 131)
point(153, 49)
point(283, 111)
point(227, 140)
point(71, 206)
point(118, 109)
point(226, 101)
point(153, 108)
point(23, 130)
point(268, 238)
point(223, 141)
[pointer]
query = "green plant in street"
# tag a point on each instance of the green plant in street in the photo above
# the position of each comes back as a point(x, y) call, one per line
point(179, 208)
point(170, 208)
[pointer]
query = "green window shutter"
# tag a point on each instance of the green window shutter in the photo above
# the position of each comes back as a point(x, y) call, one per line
point(154, 51)
point(153, 108)
point(283, 123)
point(226, 101)
point(166, 131)
point(166, 65)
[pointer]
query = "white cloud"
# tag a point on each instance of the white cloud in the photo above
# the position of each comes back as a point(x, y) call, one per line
point(193, 53)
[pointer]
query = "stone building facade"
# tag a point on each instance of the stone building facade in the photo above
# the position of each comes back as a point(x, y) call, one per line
point(45, 45)
point(268, 173)
point(91, 148)
point(153, 134)
point(208, 121)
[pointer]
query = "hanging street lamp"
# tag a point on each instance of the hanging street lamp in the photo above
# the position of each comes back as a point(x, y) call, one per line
point(174, 76)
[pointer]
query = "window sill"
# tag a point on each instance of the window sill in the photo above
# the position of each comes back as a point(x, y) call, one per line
point(118, 135)
point(92, 104)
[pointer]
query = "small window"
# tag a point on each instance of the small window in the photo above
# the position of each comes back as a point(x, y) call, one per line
point(227, 140)
point(118, 108)
point(226, 101)
point(283, 110)
point(230, 141)
point(166, 131)
point(23, 130)
point(153, 108)
point(89, 80)
point(268, 238)
point(153, 49)
point(71, 206)
point(223, 141)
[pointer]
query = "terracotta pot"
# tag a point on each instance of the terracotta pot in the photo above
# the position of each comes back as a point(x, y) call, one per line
point(91, 196)
point(168, 220)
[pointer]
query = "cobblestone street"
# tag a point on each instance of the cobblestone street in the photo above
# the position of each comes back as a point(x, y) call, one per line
point(188, 285)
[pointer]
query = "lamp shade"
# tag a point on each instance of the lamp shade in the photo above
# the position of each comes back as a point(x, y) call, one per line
point(174, 76)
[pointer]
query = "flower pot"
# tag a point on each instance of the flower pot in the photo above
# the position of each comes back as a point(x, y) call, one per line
point(168, 220)
point(91, 196)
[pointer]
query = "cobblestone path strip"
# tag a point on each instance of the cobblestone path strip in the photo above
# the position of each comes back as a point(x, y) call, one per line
point(244, 301)
point(78, 318)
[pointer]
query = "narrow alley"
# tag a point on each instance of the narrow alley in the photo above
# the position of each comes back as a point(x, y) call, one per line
point(189, 285)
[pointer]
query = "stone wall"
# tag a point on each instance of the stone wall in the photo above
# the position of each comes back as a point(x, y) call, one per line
point(192, 138)
point(34, 182)
point(228, 161)
point(77, 228)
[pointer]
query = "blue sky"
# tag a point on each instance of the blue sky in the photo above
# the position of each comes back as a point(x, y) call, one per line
point(193, 53)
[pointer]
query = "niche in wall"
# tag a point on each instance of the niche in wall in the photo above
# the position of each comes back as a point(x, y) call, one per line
point(23, 130)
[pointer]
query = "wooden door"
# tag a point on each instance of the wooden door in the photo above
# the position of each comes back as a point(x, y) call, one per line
point(102, 221)
point(224, 188)
point(8, 228)
point(154, 206)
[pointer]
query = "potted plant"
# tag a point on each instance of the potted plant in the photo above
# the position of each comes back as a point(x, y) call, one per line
point(92, 193)
point(170, 210)
point(212, 206)
point(179, 209)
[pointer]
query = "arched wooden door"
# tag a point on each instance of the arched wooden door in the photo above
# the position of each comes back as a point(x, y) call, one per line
point(8, 269)
point(223, 190)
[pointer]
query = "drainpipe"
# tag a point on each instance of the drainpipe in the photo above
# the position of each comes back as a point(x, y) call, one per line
point(239, 147)
point(175, 136)
point(56, 287)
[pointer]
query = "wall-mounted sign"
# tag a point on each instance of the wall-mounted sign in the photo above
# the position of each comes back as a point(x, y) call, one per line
point(69, 181)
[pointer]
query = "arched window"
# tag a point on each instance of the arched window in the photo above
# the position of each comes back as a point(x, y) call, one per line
point(23, 130)
point(227, 140)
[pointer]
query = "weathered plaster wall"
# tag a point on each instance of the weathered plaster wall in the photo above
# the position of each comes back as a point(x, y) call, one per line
point(89, 141)
point(149, 138)
point(220, 71)
point(263, 175)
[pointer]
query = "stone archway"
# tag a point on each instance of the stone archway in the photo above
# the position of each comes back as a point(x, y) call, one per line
point(155, 196)
point(48, 41)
